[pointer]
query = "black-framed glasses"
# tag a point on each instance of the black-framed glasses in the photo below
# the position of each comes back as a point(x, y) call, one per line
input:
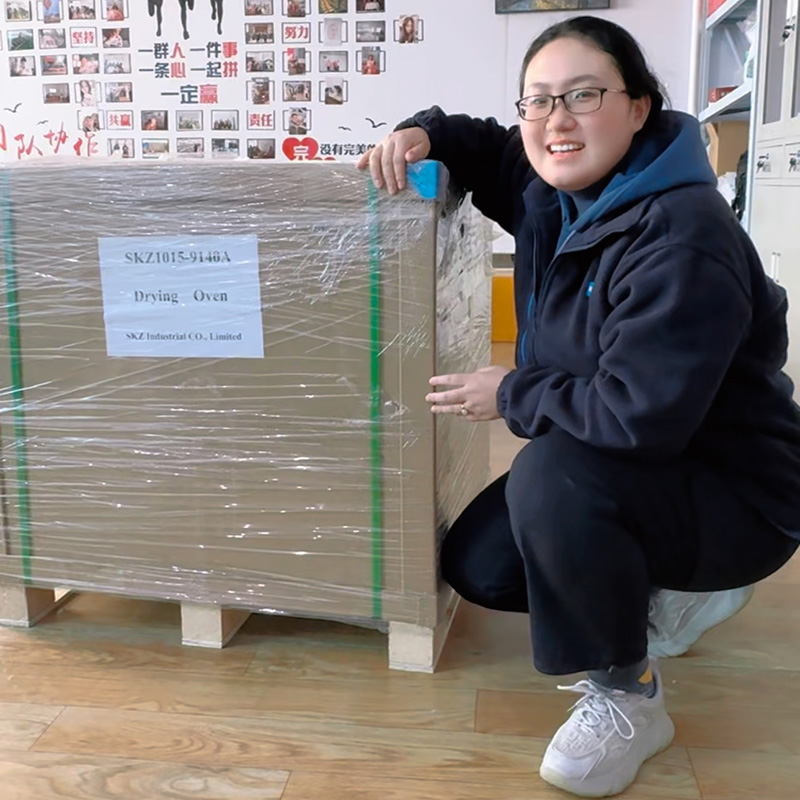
point(576, 101)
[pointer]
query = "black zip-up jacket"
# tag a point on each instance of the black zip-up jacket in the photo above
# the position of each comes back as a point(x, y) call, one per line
point(647, 326)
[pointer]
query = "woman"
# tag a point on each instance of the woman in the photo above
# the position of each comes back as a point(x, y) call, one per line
point(87, 65)
point(408, 31)
point(88, 93)
point(114, 38)
point(91, 123)
point(664, 444)
point(370, 66)
point(114, 13)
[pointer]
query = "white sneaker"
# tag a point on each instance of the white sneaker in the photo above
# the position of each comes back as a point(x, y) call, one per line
point(598, 751)
point(678, 619)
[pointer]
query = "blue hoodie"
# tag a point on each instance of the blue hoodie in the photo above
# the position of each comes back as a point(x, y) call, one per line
point(647, 325)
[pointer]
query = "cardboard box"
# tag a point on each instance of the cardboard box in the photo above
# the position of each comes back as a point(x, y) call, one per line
point(728, 141)
point(311, 480)
point(718, 92)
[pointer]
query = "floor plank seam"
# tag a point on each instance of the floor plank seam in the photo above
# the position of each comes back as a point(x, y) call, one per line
point(694, 773)
point(277, 720)
point(47, 727)
point(286, 785)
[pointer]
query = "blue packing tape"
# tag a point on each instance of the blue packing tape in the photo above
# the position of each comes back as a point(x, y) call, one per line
point(423, 177)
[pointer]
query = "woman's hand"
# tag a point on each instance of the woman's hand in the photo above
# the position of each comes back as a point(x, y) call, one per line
point(387, 160)
point(475, 395)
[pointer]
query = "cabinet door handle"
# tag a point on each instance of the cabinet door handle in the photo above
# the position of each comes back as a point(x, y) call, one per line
point(788, 30)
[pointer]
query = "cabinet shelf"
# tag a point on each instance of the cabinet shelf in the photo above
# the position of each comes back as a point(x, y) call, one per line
point(734, 106)
point(731, 11)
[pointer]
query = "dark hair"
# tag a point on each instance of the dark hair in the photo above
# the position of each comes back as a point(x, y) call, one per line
point(619, 44)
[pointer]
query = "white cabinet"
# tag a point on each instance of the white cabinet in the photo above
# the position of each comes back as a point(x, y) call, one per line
point(775, 176)
point(726, 59)
point(779, 113)
point(774, 231)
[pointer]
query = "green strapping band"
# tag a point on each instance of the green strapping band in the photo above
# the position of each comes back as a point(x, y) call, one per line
point(17, 392)
point(375, 400)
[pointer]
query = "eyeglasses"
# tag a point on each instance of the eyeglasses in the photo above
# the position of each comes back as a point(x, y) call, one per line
point(576, 101)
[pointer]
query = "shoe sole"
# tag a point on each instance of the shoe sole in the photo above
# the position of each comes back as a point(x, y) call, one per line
point(707, 618)
point(622, 782)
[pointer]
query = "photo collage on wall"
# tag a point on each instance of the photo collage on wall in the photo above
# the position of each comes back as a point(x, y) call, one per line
point(235, 78)
point(72, 47)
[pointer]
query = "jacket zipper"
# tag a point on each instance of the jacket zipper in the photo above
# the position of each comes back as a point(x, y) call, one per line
point(523, 342)
point(548, 273)
point(533, 307)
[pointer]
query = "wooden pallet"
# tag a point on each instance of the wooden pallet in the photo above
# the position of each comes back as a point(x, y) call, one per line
point(412, 648)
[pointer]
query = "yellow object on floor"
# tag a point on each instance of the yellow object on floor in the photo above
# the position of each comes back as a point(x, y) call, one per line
point(504, 323)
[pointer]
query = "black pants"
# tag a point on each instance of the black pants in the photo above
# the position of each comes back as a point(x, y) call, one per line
point(578, 538)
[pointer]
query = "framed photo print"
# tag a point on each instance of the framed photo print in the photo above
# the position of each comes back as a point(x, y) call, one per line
point(18, 11)
point(521, 6)
point(261, 148)
point(190, 147)
point(189, 120)
point(121, 148)
point(258, 8)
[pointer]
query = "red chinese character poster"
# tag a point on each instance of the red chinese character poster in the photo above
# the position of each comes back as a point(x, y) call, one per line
point(208, 79)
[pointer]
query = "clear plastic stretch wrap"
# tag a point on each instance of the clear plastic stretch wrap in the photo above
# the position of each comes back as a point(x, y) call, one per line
point(213, 383)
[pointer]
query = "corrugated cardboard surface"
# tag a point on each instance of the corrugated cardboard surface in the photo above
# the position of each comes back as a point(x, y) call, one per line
point(245, 482)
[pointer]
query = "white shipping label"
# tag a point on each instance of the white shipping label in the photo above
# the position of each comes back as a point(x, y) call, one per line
point(182, 296)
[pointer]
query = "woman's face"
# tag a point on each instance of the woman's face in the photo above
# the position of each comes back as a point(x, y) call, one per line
point(597, 141)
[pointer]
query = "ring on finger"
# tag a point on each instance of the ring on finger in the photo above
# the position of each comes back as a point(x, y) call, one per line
point(464, 411)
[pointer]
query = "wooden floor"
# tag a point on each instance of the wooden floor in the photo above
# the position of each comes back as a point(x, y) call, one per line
point(103, 702)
